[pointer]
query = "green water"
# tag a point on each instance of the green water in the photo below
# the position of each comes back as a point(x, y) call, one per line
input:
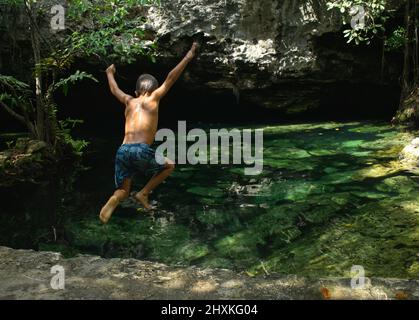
point(332, 195)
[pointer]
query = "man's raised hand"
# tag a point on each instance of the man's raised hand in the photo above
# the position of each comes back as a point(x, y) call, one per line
point(111, 69)
point(192, 52)
point(113, 86)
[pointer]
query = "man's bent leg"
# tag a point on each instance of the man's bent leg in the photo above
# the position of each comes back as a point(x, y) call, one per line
point(119, 195)
point(157, 179)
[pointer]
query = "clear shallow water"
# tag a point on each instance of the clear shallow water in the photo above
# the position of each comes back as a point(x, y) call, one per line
point(332, 195)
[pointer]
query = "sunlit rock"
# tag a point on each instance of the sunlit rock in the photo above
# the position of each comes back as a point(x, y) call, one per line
point(410, 156)
point(255, 49)
point(380, 170)
point(399, 184)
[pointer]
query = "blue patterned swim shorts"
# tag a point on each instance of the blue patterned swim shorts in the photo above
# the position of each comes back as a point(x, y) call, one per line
point(136, 158)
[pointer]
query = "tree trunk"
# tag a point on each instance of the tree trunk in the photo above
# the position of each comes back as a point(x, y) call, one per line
point(408, 113)
point(416, 46)
point(43, 121)
point(405, 79)
point(24, 119)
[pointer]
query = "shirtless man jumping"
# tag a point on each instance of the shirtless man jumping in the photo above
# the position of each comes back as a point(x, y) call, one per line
point(135, 154)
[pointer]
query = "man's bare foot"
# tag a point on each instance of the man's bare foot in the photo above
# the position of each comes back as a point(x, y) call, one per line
point(143, 199)
point(108, 209)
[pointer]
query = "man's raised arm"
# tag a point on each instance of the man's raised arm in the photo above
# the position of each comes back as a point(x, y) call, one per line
point(175, 73)
point(118, 93)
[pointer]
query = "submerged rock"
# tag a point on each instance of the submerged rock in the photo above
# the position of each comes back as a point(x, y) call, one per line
point(398, 184)
point(380, 170)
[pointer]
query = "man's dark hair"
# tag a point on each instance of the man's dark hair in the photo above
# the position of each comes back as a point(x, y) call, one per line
point(146, 83)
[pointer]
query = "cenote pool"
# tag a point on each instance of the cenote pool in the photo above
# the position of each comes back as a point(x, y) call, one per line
point(332, 195)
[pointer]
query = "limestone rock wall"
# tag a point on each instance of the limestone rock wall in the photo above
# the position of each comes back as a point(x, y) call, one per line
point(270, 53)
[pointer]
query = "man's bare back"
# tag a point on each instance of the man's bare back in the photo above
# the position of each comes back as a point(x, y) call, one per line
point(141, 121)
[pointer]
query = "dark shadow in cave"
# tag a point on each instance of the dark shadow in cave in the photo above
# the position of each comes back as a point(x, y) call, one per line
point(103, 116)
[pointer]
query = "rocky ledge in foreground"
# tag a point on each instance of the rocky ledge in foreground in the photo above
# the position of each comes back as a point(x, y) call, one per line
point(26, 274)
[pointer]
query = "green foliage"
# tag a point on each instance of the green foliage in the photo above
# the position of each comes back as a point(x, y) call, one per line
point(375, 15)
point(75, 77)
point(102, 29)
point(64, 134)
point(396, 40)
point(11, 2)
point(15, 93)
point(8, 99)
point(9, 82)
point(109, 30)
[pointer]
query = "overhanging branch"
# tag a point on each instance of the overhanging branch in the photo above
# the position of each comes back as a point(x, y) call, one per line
point(13, 113)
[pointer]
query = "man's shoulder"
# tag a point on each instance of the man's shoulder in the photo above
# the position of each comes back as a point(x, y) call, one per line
point(131, 102)
point(150, 102)
point(147, 102)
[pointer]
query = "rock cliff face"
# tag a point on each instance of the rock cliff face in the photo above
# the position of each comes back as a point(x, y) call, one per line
point(286, 54)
